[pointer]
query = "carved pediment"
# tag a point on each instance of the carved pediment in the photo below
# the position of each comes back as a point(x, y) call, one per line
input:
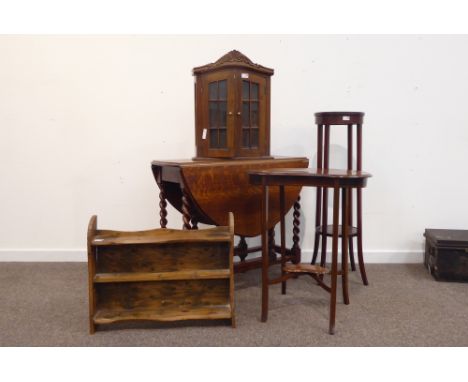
point(234, 58)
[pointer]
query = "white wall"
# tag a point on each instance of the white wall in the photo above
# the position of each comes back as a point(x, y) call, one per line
point(81, 118)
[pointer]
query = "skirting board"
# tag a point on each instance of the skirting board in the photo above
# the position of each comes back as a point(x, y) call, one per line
point(43, 255)
point(66, 255)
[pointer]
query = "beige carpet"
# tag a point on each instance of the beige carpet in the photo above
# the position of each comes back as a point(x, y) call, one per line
point(45, 304)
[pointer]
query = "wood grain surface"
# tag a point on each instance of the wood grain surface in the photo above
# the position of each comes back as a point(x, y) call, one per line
point(218, 187)
point(161, 274)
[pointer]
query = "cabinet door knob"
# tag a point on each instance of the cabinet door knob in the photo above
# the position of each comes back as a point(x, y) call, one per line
point(238, 113)
point(230, 113)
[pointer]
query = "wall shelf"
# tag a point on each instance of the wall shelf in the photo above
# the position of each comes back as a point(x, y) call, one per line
point(203, 274)
point(108, 316)
point(160, 275)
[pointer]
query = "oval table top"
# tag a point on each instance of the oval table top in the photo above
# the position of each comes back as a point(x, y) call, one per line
point(309, 177)
point(216, 187)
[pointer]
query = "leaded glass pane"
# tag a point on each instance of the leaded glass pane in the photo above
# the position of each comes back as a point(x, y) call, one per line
point(222, 112)
point(245, 138)
point(253, 91)
point(213, 138)
point(254, 114)
point(245, 114)
point(254, 138)
point(245, 90)
point(213, 90)
point(222, 139)
point(213, 114)
point(222, 90)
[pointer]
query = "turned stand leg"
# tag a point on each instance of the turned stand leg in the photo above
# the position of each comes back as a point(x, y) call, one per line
point(334, 268)
point(318, 204)
point(344, 244)
point(359, 208)
point(326, 160)
point(362, 269)
point(283, 238)
point(318, 212)
point(265, 257)
point(323, 256)
point(350, 202)
point(350, 238)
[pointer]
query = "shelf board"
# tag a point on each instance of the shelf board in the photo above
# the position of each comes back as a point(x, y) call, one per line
point(199, 274)
point(305, 268)
point(108, 316)
point(161, 236)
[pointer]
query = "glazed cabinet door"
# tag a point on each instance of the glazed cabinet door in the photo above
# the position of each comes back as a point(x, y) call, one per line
point(253, 115)
point(216, 122)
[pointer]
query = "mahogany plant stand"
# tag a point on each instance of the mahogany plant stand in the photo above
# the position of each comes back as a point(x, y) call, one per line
point(324, 120)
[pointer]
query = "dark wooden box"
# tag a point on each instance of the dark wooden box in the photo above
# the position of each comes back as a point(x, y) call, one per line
point(446, 254)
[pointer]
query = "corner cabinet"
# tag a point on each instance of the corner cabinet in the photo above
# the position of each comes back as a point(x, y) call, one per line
point(232, 108)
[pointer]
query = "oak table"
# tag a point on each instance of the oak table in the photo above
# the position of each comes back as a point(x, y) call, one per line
point(205, 190)
point(344, 180)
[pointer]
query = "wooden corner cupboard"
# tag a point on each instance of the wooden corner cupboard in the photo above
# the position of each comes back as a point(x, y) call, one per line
point(232, 108)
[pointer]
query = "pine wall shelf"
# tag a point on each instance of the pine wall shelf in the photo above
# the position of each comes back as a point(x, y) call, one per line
point(160, 275)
